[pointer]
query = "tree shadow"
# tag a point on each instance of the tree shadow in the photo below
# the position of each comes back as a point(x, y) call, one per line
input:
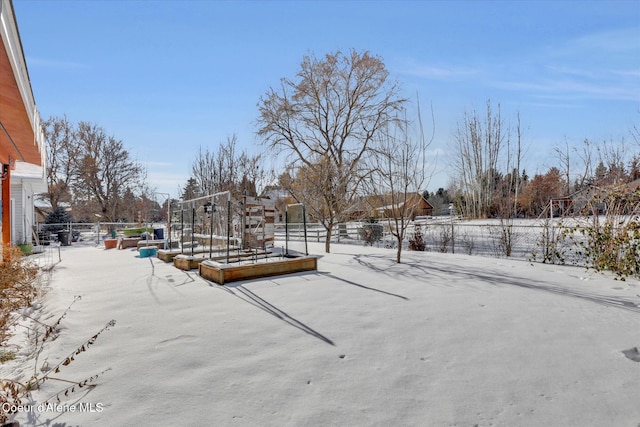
point(349, 282)
point(244, 294)
point(419, 270)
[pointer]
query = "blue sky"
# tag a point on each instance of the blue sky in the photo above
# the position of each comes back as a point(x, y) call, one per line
point(167, 77)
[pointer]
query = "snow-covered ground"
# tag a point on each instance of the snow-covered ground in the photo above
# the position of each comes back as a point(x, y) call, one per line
point(439, 340)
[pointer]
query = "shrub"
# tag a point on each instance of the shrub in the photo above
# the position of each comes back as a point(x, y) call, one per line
point(614, 247)
point(613, 243)
point(134, 232)
point(550, 241)
point(468, 242)
point(416, 242)
point(445, 239)
point(371, 231)
point(18, 286)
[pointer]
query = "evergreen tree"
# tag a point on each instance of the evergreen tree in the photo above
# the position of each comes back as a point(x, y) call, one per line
point(190, 190)
point(58, 216)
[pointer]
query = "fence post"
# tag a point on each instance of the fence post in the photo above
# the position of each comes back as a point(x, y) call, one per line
point(453, 237)
point(286, 230)
point(193, 223)
point(181, 229)
point(229, 225)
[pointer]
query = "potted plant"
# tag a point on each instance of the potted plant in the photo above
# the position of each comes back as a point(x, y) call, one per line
point(136, 232)
point(26, 248)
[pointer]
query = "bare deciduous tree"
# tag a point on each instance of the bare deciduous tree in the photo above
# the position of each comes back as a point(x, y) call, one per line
point(564, 157)
point(104, 169)
point(399, 172)
point(325, 121)
point(635, 132)
point(612, 156)
point(228, 170)
point(62, 150)
point(586, 157)
point(478, 144)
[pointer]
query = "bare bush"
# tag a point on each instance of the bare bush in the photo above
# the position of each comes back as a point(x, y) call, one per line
point(445, 237)
point(18, 286)
point(416, 242)
point(550, 242)
point(468, 242)
point(508, 237)
point(371, 232)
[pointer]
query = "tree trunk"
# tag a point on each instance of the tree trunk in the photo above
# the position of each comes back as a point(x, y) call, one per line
point(399, 251)
point(327, 242)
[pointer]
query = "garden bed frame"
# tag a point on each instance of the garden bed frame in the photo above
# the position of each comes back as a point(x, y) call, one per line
point(224, 273)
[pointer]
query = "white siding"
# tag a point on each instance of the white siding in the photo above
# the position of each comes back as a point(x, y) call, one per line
point(22, 215)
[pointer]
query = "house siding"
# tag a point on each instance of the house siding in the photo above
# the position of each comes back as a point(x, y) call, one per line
point(23, 212)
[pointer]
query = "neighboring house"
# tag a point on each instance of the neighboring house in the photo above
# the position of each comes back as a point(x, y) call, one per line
point(593, 199)
point(27, 181)
point(281, 198)
point(275, 192)
point(21, 137)
point(42, 208)
point(562, 206)
point(417, 206)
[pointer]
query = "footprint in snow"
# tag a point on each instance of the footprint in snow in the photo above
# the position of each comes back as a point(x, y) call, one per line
point(632, 354)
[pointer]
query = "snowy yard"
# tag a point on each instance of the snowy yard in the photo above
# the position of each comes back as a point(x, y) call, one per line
point(438, 340)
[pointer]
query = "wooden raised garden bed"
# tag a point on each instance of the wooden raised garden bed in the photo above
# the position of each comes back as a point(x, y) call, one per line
point(144, 243)
point(224, 273)
point(128, 242)
point(187, 262)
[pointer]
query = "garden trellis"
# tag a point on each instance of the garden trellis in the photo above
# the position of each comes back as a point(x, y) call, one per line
point(217, 223)
point(205, 221)
point(295, 218)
